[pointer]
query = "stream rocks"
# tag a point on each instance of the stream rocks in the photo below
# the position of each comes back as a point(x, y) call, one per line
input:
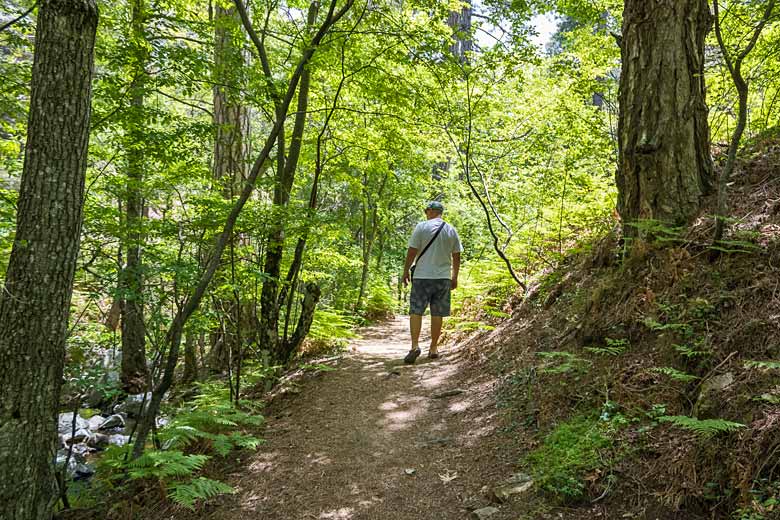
point(96, 434)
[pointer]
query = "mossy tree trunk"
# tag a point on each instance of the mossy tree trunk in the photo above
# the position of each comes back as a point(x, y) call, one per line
point(665, 167)
point(35, 300)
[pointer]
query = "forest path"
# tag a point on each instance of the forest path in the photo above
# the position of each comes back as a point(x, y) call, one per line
point(374, 440)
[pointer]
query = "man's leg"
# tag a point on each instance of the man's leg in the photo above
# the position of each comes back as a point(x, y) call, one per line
point(436, 322)
point(440, 307)
point(415, 324)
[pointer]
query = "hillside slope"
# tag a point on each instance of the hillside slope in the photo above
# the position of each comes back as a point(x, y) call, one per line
point(649, 386)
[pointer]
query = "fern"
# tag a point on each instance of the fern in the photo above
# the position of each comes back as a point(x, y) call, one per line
point(564, 362)
point(165, 464)
point(690, 352)
point(703, 427)
point(187, 492)
point(676, 374)
point(763, 365)
point(606, 351)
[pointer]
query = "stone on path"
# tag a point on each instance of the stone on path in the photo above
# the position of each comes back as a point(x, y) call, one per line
point(518, 484)
point(484, 513)
point(448, 393)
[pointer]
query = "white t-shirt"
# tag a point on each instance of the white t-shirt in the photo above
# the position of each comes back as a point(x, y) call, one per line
point(436, 263)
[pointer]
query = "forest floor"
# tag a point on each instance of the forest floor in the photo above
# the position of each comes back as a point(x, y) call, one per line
point(374, 439)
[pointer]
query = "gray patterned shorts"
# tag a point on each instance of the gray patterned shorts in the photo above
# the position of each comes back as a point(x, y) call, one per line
point(433, 292)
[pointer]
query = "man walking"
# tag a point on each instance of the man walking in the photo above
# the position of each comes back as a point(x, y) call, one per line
point(435, 249)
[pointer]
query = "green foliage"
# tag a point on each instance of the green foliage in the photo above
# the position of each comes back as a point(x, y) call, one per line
point(704, 428)
point(201, 488)
point(213, 419)
point(762, 365)
point(567, 455)
point(675, 374)
point(173, 469)
point(613, 347)
point(562, 362)
point(209, 423)
point(331, 327)
point(764, 503)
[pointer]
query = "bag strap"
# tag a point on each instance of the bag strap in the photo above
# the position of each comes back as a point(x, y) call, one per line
point(430, 242)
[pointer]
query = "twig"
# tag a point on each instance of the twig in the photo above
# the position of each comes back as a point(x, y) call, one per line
point(21, 16)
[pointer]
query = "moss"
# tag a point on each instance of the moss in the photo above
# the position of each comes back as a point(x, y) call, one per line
point(567, 455)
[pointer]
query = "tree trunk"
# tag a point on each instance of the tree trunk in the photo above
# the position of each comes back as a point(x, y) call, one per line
point(664, 166)
point(135, 373)
point(269, 298)
point(231, 120)
point(35, 301)
point(190, 374)
point(311, 295)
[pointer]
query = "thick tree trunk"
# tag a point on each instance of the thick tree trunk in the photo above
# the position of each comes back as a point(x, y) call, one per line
point(35, 300)
point(135, 373)
point(664, 166)
point(231, 120)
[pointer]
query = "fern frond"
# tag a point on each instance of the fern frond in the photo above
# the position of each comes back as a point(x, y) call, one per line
point(188, 492)
point(675, 374)
point(764, 365)
point(165, 464)
point(606, 351)
point(703, 427)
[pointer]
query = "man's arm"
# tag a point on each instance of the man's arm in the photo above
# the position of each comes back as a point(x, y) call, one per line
point(411, 254)
point(455, 269)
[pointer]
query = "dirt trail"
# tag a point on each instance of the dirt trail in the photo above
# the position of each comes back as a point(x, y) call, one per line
point(370, 441)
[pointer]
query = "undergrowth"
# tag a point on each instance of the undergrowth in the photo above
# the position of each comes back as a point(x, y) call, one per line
point(209, 425)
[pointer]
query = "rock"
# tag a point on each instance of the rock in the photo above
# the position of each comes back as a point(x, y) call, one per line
point(132, 405)
point(65, 423)
point(95, 422)
point(410, 471)
point(114, 421)
point(484, 513)
point(79, 436)
point(519, 484)
point(78, 469)
point(118, 440)
point(717, 383)
point(709, 401)
point(448, 393)
point(162, 421)
point(98, 440)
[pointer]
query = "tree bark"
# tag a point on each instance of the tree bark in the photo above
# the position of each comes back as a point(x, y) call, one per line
point(664, 165)
point(35, 300)
point(231, 120)
point(134, 373)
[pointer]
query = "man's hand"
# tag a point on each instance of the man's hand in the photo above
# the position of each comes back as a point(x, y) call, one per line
point(454, 283)
point(406, 278)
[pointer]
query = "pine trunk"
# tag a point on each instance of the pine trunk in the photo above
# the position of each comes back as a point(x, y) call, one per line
point(231, 119)
point(135, 373)
point(664, 166)
point(35, 301)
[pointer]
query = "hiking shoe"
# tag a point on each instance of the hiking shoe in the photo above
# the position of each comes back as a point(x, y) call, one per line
point(433, 355)
point(412, 356)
